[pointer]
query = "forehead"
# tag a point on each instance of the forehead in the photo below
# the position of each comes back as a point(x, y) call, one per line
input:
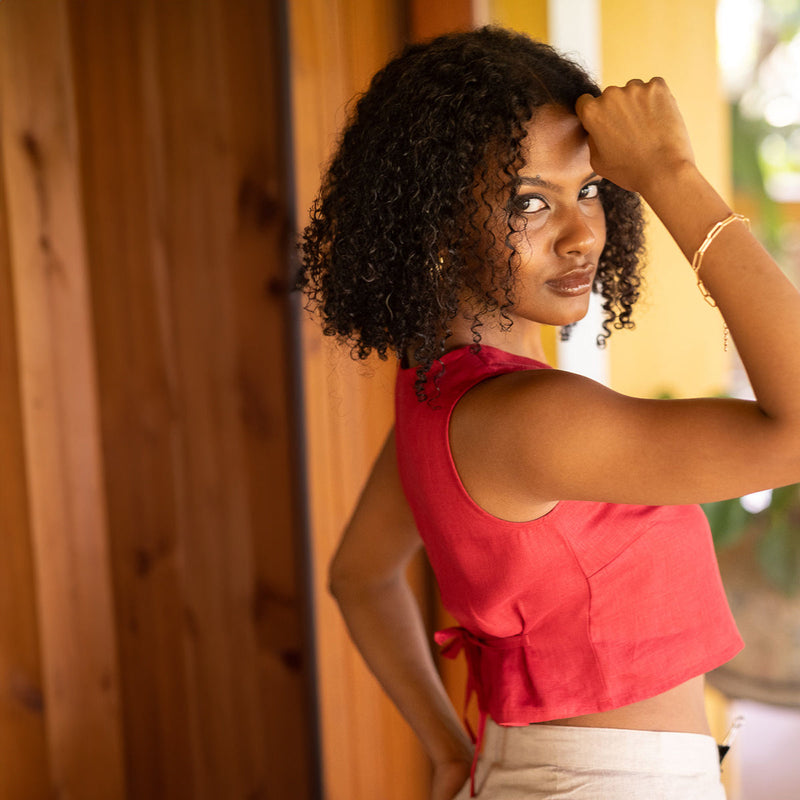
point(556, 143)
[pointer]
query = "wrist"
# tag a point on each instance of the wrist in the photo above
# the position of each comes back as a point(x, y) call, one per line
point(667, 177)
point(463, 758)
point(457, 751)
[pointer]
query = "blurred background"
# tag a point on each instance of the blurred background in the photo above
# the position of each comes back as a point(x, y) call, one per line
point(180, 448)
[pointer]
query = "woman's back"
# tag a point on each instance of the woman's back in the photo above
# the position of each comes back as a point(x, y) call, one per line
point(574, 613)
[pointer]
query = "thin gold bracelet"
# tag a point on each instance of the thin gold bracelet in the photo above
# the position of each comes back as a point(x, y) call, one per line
point(697, 261)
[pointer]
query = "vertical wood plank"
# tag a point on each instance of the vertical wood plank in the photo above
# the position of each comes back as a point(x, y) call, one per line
point(433, 19)
point(139, 393)
point(24, 769)
point(189, 277)
point(56, 353)
point(253, 104)
point(195, 206)
point(368, 751)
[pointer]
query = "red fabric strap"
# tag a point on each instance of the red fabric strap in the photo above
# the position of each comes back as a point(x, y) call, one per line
point(453, 641)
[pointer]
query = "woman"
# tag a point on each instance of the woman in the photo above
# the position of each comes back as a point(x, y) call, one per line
point(482, 189)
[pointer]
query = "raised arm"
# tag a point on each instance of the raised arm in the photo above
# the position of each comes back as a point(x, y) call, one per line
point(368, 580)
point(758, 302)
point(575, 439)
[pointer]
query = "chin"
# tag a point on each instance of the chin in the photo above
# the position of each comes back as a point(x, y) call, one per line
point(570, 319)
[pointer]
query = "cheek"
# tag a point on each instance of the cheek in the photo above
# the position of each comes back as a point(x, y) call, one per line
point(599, 230)
point(533, 246)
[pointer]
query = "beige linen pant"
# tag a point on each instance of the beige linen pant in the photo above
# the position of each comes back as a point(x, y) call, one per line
point(539, 762)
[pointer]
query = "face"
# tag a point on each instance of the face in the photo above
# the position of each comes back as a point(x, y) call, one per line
point(559, 221)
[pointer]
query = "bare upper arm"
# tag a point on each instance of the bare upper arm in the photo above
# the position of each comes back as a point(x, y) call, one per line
point(551, 435)
point(381, 537)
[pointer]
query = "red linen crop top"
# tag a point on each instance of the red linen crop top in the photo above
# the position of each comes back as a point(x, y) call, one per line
point(590, 607)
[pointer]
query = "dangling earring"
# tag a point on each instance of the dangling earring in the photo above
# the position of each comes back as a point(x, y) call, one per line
point(437, 268)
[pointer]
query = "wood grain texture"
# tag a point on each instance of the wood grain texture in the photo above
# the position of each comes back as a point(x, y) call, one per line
point(189, 278)
point(149, 470)
point(64, 466)
point(433, 19)
point(368, 751)
point(24, 767)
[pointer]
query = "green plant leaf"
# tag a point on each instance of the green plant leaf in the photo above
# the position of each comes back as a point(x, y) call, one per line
point(783, 500)
point(728, 520)
point(779, 556)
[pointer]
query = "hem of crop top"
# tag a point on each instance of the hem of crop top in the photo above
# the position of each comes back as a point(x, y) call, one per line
point(453, 640)
point(713, 661)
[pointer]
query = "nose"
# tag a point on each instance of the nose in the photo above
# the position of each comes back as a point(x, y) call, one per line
point(578, 232)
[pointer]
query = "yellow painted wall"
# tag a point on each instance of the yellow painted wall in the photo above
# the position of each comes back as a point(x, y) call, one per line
point(677, 347)
point(678, 344)
point(528, 16)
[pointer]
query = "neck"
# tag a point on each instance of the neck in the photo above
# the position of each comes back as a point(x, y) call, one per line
point(524, 338)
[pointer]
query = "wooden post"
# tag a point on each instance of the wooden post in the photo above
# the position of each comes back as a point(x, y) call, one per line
point(368, 751)
point(24, 767)
point(59, 401)
point(182, 126)
point(153, 447)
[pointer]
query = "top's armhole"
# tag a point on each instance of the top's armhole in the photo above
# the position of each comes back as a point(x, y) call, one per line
point(457, 475)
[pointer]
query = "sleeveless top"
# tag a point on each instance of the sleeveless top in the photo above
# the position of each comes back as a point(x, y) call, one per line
point(590, 607)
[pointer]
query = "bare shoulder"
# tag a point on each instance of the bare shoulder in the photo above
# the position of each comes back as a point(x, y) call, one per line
point(517, 405)
point(546, 435)
point(496, 431)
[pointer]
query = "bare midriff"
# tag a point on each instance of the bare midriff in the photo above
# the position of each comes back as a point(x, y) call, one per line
point(679, 709)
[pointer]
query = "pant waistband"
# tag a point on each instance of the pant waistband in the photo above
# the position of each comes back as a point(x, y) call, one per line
point(668, 752)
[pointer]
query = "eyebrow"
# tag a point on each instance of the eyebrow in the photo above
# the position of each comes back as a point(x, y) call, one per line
point(526, 180)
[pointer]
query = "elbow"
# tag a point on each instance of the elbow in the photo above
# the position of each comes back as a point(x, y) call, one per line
point(346, 580)
point(337, 580)
point(337, 577)
point(350, 582)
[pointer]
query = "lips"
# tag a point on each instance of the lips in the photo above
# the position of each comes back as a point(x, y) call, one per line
point(575, 282)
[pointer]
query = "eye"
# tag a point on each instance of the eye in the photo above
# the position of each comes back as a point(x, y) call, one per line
point(529, 204)
point(590, 192)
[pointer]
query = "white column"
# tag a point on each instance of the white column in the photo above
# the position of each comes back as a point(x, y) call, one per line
point(481, 13)
point(574, 29)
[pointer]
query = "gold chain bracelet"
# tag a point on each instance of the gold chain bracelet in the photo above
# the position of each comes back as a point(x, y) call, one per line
point(697, 261)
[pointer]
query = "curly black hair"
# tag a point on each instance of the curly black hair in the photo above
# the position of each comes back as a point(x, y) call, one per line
point(401, 219)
